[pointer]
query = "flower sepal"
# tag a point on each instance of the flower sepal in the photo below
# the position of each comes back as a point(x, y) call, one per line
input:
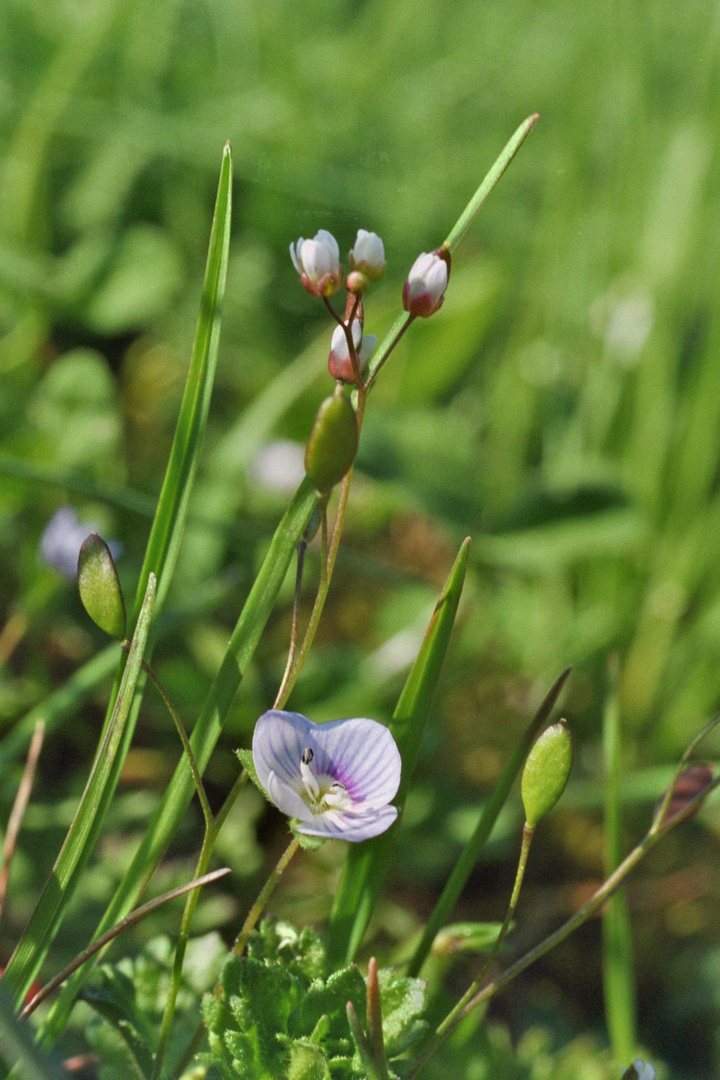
point(245, 758)
point(307, 843)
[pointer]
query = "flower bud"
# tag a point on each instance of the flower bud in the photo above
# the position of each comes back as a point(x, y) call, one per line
point(333, 443)
point(424, 290)
point(99, 587)
point(356, 283)
point(317, 262)
point(368, 255)
point(546, 771)
point(339, 362)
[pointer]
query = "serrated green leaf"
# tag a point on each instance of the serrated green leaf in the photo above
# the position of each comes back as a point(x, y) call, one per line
point(367, 864)
point(403, 1002)
point(330, 999)
point(307, 1062)
point(99, 587)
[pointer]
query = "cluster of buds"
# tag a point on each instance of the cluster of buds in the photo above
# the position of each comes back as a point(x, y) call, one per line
point(317, 261)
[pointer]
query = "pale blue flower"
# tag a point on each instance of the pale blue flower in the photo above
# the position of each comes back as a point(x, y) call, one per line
point(335, 779)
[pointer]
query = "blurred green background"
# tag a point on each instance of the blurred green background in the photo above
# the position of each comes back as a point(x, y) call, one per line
point(563, 409)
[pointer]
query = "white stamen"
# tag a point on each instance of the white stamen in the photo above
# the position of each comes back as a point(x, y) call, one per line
point(308, 777)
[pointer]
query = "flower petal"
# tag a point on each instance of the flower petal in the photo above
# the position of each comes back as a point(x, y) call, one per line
point(288, 800)
point(339, 826)
point(278, 742)
point(362, 755)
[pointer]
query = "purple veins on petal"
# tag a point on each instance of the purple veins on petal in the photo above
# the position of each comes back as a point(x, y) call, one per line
point(337, 779)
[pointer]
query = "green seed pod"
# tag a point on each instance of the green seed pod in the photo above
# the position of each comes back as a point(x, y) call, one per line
point(333, 443)
point(546, 771)
point(99, 587)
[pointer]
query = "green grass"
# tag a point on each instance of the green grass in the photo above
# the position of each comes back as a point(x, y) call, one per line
point(563, 408)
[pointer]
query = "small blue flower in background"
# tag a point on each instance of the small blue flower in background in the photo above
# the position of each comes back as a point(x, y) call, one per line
point(639, 1070)
point(336, 779)
point(62, 539)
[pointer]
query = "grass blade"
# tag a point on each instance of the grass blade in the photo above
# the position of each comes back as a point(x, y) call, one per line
point(617, 950)
point(367, 864)
point(471, 852)
point(169, 522)
point(37, 938)
point(158, 565)
point(205, 734)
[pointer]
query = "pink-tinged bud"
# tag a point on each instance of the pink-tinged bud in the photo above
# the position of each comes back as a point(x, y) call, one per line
point(317, 262)
point(368, 255)
point(339, 362)
point(424, 290)
point(356, 282)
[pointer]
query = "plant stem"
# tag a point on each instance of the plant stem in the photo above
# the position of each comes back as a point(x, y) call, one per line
point(581, 916)
point(105, 939)
point(211, 835)
point(19, 807)
point(449, 1021)
point(207, 813)
point(281, 694)
point(265, 893)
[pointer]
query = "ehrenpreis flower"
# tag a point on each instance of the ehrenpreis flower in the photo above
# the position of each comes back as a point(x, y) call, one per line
point(335, 779)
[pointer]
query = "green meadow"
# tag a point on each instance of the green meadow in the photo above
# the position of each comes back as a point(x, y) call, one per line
point(562, 410)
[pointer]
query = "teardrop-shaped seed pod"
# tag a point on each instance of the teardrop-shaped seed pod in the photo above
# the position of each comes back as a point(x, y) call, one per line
point(546, 771)
point(333, 443)
point(99, 587)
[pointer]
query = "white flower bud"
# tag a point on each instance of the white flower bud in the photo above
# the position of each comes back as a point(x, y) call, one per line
point(424, 290)
point(317, 262)
point(368, 255)
point(339, 362)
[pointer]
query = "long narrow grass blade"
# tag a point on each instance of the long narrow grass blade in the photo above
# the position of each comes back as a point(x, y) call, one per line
point(206, 732)
point(167, 528)
point(37, 938)
point(169, 521)
point(617, 950)
point(471, 852)
point(498, 168)
point(367, 864)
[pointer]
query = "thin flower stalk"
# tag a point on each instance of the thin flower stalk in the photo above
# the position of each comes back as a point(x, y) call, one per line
point(265, 893)
point(211, 834)
point(593, 905)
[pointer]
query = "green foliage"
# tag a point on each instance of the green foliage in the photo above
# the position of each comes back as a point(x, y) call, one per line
point(546, 771)
point(282, 1012)
point(129, 998)
point(333, 443)
point(99, 587)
